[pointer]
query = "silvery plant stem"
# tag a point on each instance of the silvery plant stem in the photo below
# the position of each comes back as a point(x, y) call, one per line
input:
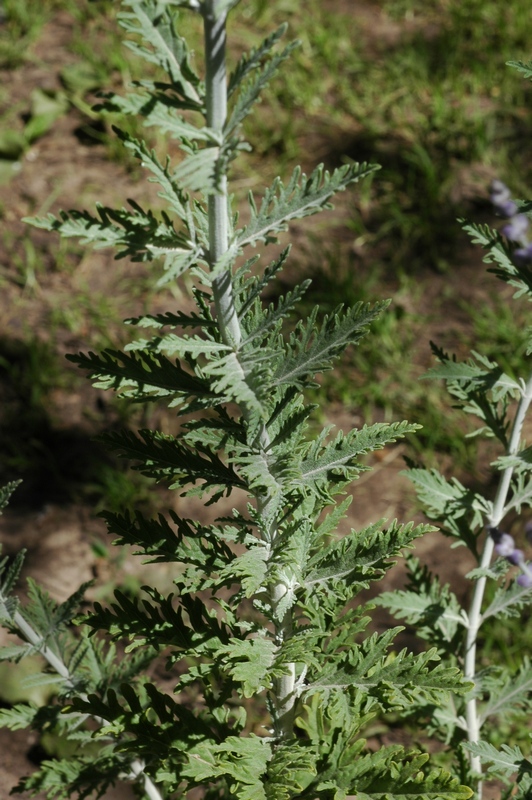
point(475, 611)
point(222, 287)
point(30, 635)
point(216, 92)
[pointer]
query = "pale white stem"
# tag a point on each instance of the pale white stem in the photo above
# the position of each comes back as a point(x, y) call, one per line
point(30, 635)
point(152, 792)
point(285, 686)
point(227, 317)
point(216, 98)
point(58, 665)
point(475, 611)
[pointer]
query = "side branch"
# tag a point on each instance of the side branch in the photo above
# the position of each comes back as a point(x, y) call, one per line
point(29, 633)
point(499, 504)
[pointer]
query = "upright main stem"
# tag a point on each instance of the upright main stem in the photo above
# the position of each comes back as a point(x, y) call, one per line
point(475, 611)
point(224, 303)
point(216, 94)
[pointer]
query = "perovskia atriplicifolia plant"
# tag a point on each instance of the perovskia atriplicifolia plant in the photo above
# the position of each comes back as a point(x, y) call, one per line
point(501, 581)
point(263, 619)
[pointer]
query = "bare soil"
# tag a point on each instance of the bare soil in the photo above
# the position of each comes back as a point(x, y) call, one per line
point(66, 169)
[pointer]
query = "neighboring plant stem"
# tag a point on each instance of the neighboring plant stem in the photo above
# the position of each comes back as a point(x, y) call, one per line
point(57, 664)
point(475, 610)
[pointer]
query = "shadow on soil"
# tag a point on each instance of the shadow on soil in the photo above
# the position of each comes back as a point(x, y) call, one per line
point(54, 458)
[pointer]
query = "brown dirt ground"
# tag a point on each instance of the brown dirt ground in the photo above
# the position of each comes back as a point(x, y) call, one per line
point(63, 169)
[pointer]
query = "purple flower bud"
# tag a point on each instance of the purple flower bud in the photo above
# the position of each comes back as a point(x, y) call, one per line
point(525, 580)
point(499, 192)
point(516, 228)
point(505, 208)
point(505, 545)
point(517, 557)
point(523, 255)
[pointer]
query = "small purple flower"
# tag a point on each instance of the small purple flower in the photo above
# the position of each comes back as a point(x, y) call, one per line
point(507, 208)
point(517, 557)
point(516, 228)
point(523, 255)
point(505, 548)
point(500, 193)
point(525, 580)
point(505, 544)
